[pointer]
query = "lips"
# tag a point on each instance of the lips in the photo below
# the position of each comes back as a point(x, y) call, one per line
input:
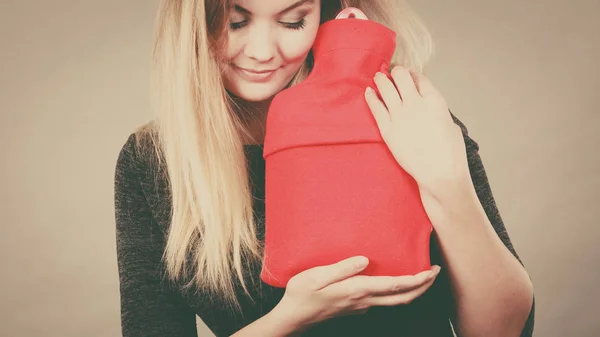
point(258, 71)
point(253, 75)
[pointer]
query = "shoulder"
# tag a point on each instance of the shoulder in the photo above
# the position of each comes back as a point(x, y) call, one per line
point(139, 156)
point(138, 166)
point(140, 171)
point(140, 151)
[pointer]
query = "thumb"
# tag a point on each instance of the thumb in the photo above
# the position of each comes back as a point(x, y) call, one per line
point(341, 270)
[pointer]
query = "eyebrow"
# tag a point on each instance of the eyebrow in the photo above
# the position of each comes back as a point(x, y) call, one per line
point(295, 5)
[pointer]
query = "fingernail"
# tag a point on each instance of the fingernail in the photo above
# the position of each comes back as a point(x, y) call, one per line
point(397, 69)
point(362, 261)
point(434, 271)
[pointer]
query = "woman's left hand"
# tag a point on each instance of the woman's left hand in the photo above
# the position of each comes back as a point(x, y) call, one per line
point(416, 125)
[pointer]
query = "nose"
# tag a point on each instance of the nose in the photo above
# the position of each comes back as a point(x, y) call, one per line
point(260, 44)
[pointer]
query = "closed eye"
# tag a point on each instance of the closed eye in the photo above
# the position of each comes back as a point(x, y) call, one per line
point(289, 25)
point(294, 25)
point(238, 25)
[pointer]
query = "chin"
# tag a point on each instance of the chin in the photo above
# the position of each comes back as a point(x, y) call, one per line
point(255, 96)
point(257, 92)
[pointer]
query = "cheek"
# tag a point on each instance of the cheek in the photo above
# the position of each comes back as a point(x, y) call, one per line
point(296, 49)
point(234, 47)
point(295, 46)
point(291, 49)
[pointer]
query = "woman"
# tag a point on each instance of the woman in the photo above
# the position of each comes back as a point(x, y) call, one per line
point(188, 189)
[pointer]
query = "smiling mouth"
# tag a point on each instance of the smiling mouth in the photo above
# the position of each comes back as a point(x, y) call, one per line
point(258, 71)
point(255, 75)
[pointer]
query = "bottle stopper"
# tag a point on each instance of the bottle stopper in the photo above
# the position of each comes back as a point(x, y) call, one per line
point(351, 13)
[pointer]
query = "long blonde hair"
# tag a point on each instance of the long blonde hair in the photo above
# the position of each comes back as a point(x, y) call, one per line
point(199, 136)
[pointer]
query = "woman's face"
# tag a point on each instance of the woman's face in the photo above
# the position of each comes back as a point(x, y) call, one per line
point(268, 41)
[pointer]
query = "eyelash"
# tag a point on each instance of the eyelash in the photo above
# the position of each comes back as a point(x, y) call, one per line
point(289, 25)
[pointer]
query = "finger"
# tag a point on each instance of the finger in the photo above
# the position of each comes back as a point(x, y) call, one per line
point(367, 286)
point(388, 92)
point(378, 109)
point(400, 298)
point(405, 84)
point(424, 85)
point(339, 271)
point(378, 286)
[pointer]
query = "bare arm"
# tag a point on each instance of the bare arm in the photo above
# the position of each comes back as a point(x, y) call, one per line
point(494, 294)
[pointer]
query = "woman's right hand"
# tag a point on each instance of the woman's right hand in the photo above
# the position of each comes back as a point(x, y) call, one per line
point(323, 292)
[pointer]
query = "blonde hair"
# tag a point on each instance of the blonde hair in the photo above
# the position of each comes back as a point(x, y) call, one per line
point(198, 135)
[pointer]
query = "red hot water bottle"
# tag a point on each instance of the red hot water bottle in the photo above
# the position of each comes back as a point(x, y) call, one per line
point(332, 188)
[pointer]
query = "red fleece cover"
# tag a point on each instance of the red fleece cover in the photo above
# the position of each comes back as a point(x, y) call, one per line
point(332, 188)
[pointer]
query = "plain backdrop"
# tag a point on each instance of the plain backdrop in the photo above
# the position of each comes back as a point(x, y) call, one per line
point(522, 75)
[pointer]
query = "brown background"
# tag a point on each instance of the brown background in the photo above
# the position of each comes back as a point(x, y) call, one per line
point(523, 76)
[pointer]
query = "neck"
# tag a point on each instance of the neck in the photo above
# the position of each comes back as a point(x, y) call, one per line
point(253, 115)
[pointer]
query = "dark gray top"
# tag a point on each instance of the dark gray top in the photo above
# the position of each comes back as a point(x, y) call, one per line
point(153, 306)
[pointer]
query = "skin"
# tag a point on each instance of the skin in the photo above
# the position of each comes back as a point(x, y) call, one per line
point(493, 299)
point(492, 290)
point(268, 35)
